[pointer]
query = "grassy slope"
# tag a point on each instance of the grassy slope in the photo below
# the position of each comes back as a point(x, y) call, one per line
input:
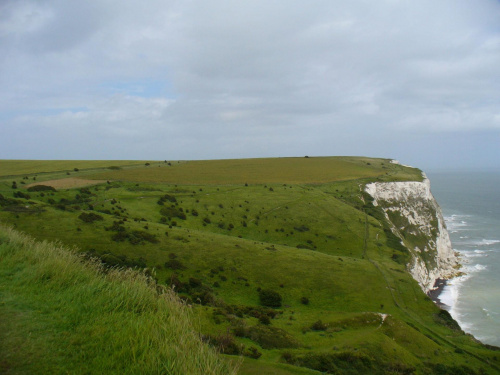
point(341, 262)
point(61, 315)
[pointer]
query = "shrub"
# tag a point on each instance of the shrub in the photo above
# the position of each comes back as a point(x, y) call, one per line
point(252, 352)
point(175, 264)
point(139, 236)
point(304, 301)
point(269, 337)
point(20, 194)
point(302, 228)
point(41, 188)
point(319, 326)
point(264, 319)
point(270, 298)
point(224, 343)
point(90, 217)
point(195, 283)
point(335, 363)
point(444, 318)
point(173, 212)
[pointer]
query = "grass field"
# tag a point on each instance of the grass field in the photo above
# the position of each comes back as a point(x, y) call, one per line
point(38, 167)
point(224, 232)
point(259, 171)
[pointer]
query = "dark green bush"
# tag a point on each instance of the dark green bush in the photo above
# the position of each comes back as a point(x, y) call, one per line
point(172, 212)
point(269, 337)
point(20, 194)
point(194, 282)
point(224, 343)
point(319, 326)
point(270, 298)
point(90, 217)
point(335, 363)
point(139, 236)
point(41, 188)
point(444, 318)
point(252, 352)
point(302, 228)
point(175, 264)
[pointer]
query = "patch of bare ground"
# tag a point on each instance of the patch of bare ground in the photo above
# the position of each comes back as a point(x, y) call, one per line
point(68, 183)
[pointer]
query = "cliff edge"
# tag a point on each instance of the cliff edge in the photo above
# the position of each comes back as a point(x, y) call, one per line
point(416, 218)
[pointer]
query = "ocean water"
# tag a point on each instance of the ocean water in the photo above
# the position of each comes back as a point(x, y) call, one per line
point(471, 207)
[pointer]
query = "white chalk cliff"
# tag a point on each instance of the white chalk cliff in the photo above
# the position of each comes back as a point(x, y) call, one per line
point(416, 218)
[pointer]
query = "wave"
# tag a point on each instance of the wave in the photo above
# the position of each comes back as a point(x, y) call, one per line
point(456, 223)
point(451, 292)
point(474, 253)
point(489, 242)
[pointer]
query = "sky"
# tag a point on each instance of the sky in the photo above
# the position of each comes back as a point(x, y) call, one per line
point(416, 81)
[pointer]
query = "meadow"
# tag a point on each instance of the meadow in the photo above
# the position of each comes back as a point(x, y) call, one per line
point(278, 257)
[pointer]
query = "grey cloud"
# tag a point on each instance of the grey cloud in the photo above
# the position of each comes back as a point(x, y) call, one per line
point(254, 78)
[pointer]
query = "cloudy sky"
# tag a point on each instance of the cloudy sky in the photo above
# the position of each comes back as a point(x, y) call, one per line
point(417, 81)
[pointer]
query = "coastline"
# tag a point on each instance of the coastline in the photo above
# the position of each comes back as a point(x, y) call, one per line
point(436, 291)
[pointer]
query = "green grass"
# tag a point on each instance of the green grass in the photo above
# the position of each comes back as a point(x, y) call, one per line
point(259, 171)
point(293, 225)
point(61, 315)
point(31, 167)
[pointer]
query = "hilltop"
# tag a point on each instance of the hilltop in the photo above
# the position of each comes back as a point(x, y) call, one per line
point(285, 261)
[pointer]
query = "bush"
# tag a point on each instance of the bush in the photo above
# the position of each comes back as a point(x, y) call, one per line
point(269, 337)
point(302, 228)
point(319, 326)
point(270, 298)
point(41, 188)
point(252, 352)
point(90, 217)
point(175, 264)
point(20, 194)
point(139, 236)
point(173, 212)
point(264, 319)
point(304, 301)
point(444, 318)
point(336, 363)
point(224, 343)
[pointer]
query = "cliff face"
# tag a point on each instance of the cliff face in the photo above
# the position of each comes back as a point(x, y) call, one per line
point(416, 218)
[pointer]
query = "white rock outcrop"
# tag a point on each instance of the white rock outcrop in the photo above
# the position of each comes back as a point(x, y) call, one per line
point(418, 217)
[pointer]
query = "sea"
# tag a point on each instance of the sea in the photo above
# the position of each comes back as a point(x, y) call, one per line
point(470, 202)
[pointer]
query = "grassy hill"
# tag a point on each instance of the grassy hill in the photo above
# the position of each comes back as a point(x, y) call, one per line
point(62, 314)
point(277, 256)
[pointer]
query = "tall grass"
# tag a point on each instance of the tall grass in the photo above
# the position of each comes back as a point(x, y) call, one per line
point(62, 314)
